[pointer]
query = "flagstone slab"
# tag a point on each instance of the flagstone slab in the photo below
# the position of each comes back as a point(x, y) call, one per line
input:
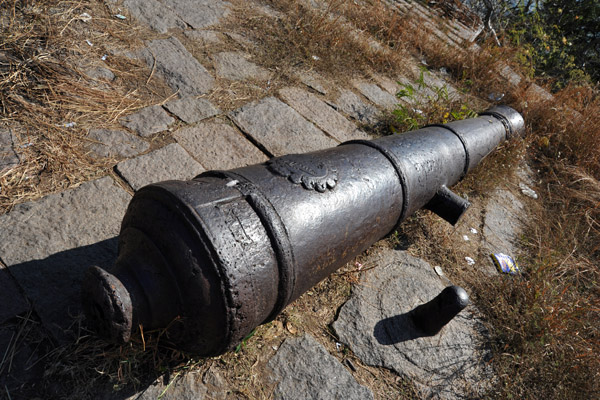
point(280, 129)
point(503, 222)
point(8, 157)
point(321, 114)
point(155, 14)
point(199, 14)
point(375, 324)
point(304, 369)
point(191, 110)
point(115, 143)
point(374, 93)
point(180, 70)
point(236, 66)
point(219, 146)
point(351, 104)
point(171, 162)
point(148, 121)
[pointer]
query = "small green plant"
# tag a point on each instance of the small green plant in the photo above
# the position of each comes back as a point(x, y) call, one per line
point(425, 104)
point(244, 341)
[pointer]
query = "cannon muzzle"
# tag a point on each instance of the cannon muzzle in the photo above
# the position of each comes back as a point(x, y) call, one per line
point(216, 256)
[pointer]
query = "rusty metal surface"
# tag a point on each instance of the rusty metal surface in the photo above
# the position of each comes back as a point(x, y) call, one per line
point(228, 250)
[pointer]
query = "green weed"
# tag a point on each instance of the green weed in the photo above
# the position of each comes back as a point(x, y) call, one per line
point(424, 104)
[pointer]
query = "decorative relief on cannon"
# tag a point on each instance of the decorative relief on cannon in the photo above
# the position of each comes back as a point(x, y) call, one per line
point(311, 173)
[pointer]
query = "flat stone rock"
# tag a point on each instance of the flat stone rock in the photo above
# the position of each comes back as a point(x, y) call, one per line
point(8, 157)
point(389, 85)
point(182, 72)
point(191, 110)
point(503, 222)
point(279, 129)
point(374, 323)
point(236, 67)
point(186, 387)
point(171, 162)
point(418, 96)
point(219, 146)
point(313, 81)
point(100, 73)
point(321, 114)
point(154, 14)
point(215, 384)
point(536, 93)
point(377, 95)
point(351, 104)
point(242, 40)
point(304, 369)
point(48, 244)
point(148, 121)
point(203, 37)
point(115, 143)
point(199, 14)
point(435, 83)
point(509, 74)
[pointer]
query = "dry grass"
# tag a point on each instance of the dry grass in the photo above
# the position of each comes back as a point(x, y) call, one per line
point(318, 38)
point(90, 366)
point(47, 98)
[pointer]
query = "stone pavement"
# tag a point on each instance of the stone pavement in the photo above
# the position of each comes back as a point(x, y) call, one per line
point(45, 245)
point(376, 326)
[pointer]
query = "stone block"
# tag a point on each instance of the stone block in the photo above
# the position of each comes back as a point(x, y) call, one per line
point(303, 368)
point(378, 96)
point(182, 72)
point(148, 121)
point(191, 110)
point(236, 67)
point(219, 146)
point(154, 14)
point(321, 114)
point(279, 129)
point(8, 157)
point(115, 143)
point(503, 222)
point(509, 74)
point(171, 162)
point(313, 81)
point(536, 94)
point(199, 14)
point(203, 37)
point(351, 104)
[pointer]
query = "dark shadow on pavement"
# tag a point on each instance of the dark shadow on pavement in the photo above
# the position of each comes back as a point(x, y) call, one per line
point(396, 329)
point(53, 283)
point(34, 336)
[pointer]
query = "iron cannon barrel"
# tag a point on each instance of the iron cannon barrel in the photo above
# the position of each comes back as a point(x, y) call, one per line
point(216, 256)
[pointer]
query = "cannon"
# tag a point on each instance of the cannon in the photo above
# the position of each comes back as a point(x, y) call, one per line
point(212, 258)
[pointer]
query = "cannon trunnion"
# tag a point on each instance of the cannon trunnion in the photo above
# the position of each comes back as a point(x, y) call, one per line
point(214, 257)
